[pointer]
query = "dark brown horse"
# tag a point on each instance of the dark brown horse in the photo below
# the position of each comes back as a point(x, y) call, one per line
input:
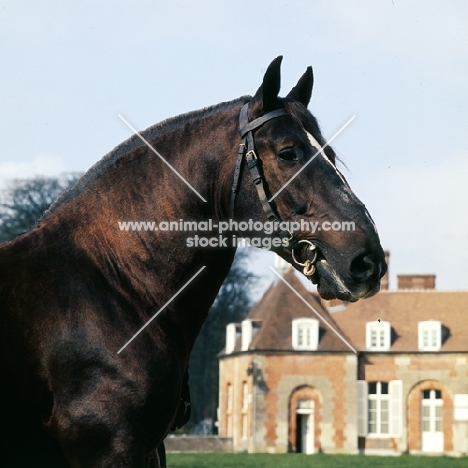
point(76, 288)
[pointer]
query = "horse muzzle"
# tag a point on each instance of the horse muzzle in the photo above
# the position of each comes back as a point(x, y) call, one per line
point(358, 279)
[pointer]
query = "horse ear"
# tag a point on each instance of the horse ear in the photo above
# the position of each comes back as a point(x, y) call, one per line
point(303, 90)
point(266, 97)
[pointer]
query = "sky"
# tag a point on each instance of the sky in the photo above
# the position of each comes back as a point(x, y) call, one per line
point(69, 68)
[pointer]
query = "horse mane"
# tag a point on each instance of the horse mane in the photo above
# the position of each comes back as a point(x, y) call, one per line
point(132, 143)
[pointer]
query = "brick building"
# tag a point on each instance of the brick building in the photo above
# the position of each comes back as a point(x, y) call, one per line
point(289, 383)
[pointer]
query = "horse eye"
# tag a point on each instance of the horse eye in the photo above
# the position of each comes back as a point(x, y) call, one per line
point(288, 154)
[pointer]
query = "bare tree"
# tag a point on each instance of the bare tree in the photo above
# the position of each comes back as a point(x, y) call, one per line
point(231, 305)
point(25, 200)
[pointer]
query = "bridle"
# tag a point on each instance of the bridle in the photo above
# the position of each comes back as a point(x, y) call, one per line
point(247, 150)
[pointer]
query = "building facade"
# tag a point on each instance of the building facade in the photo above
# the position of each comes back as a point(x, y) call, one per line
point(386, 375)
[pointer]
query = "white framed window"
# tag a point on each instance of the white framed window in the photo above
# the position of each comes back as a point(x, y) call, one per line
point(229, 410)
point(378, 336)
point(378, 422)
point(429, 335)
point(432, 411)
point(245, 408)
point(245, 395)
point(231, 335)
point(247, 331)
point(380, 408)
point(305, 334)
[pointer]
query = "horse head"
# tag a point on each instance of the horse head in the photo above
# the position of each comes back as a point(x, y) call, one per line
point(333, 234)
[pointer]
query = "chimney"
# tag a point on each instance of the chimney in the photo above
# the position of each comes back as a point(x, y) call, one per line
point(232, 332)
point(384, 285)
point(246, 334)
point(416, 281)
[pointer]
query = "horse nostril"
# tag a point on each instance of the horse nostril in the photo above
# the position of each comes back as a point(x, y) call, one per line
point(365, 266)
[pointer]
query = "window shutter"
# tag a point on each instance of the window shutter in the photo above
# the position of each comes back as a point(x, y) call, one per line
point(395, 390)
point(460, 403)
point(362, 408)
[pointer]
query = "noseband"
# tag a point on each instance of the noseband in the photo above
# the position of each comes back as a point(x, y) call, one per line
point(247, 150)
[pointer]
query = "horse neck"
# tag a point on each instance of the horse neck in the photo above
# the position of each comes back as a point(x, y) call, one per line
point(137, 187)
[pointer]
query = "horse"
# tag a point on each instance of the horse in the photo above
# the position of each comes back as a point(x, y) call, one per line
point(79, 382)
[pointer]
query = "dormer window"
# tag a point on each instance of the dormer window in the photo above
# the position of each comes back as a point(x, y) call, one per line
point(305, 334)
point(247, 333)
point(429, 335)
point(378, 336)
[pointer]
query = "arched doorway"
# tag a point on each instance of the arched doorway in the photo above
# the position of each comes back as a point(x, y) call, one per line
point(305, 426)
point(304, 420)
point(430, 417)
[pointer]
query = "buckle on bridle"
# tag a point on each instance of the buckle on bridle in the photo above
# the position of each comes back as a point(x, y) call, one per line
point(291, 236)
point(252, 154)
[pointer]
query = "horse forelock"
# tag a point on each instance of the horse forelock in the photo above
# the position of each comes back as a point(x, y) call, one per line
point(129, 145)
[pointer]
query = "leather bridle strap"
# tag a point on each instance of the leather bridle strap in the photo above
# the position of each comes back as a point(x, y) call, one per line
point(246, 127)
point(247, 150)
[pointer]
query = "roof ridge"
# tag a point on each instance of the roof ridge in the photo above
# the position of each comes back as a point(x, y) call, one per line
point(281, 305)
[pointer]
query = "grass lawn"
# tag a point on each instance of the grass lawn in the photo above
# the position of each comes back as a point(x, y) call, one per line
point(291, 460)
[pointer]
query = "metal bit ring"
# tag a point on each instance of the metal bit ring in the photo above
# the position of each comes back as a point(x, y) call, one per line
point(312, 247)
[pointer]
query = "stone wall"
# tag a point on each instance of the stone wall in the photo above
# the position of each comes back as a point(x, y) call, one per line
point(198, 444)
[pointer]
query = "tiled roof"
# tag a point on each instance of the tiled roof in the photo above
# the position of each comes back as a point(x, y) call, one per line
point(276, 311)
point(404, 310)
